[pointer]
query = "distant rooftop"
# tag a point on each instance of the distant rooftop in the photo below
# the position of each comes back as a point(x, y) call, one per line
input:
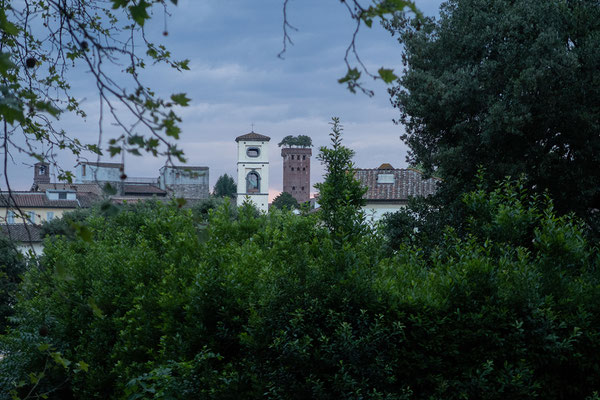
point(25, 233)
point(103, 164)
point(184, 167)
point(396, 185)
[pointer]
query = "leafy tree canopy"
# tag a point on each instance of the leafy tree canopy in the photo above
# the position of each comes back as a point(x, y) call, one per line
point(225, 187)
point(273, 303)
point(513, 86)
point(285, 201)
point(296, 141)
point(12, 265)
point(44, 42)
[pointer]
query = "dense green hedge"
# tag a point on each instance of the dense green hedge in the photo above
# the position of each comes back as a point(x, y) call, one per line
point(274, 306)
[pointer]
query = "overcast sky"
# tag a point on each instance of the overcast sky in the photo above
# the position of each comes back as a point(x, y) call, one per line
point(236, 80)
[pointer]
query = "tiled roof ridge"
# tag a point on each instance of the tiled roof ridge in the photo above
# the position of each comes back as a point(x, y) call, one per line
point(398, 169)
point(253, 136)
point(103, 164)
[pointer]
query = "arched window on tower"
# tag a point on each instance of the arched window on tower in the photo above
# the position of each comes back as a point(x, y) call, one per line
point(253, 182)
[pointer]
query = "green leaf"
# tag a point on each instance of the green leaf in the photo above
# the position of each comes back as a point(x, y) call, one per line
point(47, 107)
point(43, 347)
point(60, 360)
point(387, 75)
point(6, 26)
point(82, 231)
point(180, 99)
point(139, 13)
point(114, 150)
point(61, 272)
point(83, 366)
point(95, 309)
point(119, 4)
point(5, 63)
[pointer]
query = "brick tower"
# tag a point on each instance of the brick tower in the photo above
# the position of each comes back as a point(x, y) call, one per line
point(41, 173)
point(296, 172)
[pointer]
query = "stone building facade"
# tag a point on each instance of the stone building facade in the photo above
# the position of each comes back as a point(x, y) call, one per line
point(296, 172)
point(190, 183)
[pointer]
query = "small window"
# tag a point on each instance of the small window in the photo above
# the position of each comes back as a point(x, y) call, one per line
point(302, 188)
point(292, 168)
point(253, 152)
point(83, 170)
point(303, 168)
point(42, 170)
point(10, 217)
point(304, 157)
point(293, 187)
point(385, 178)
point(49, 216)
point(62, 195)
point(292, 156)
point(177, 175)
point(31, 217)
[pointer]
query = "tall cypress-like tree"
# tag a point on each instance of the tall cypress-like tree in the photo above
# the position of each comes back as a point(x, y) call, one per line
point(513, 86)
point(225, 187)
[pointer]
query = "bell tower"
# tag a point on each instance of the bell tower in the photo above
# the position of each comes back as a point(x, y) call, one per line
point(41, 173)
point(253, 169)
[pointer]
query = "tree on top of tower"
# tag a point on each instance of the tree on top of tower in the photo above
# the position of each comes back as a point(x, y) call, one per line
point(296, 141)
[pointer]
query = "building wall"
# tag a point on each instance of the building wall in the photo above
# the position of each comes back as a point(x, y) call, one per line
point(375, 211)
point(37, 248)
point(86, 173)
point(41, 214)
point(296, 172)
point(192, 183)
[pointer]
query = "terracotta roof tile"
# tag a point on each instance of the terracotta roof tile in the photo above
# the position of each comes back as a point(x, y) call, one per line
point(143, 189)
point(34, 199)
point(78, 187)
point(406, 183)
point(22, 232)
point(253, 136)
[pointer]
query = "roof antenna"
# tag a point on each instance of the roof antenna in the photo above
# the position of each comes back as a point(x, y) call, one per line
point(252, 127)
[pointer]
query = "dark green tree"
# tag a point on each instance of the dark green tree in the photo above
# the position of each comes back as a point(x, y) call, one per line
point(513, 86)
point(304, 141)
point(66, 225)
point(288, 141)
point(340, 194)
point(12, 265)
point(296, 141)
point(285, 201)
point(225, 187)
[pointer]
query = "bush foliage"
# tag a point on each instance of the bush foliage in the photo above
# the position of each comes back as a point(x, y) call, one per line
point(155, 301)
point(274, 306)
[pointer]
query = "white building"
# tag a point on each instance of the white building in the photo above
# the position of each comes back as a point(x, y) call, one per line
point(91, 172)
point(253, 170)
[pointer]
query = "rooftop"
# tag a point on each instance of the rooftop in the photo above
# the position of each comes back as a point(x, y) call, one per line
point(253, 136)
point(22, 232)
point(104, 164)
point(405, 183)
point(33, 199)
